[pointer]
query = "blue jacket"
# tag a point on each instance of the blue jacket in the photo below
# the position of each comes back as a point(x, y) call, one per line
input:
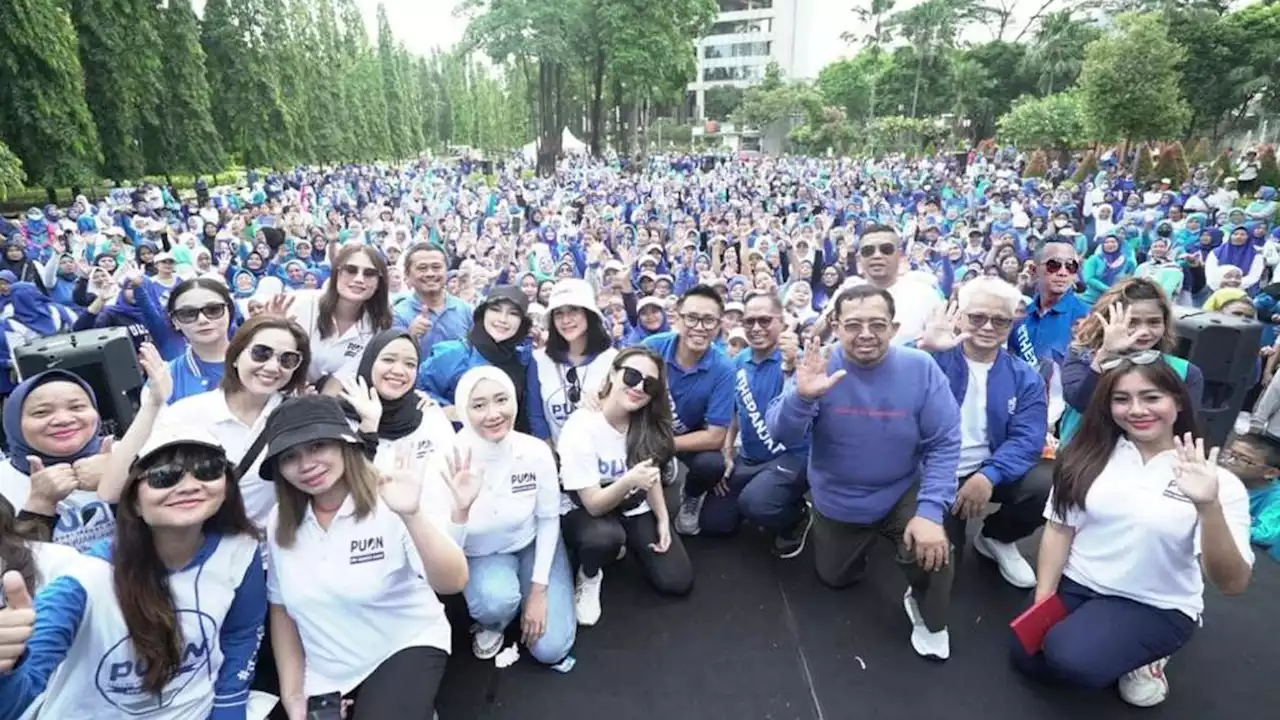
point(438, 375)
point(1017, 412)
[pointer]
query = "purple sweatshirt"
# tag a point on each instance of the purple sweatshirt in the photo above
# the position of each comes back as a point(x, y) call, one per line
point(874, 433)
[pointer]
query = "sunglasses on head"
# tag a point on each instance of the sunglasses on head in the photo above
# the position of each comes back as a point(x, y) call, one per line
point(884, 248)
point(163, 477)
point(288, 359)
point(633, 378)
point(1054, 265)
point(355, 270)
point(213, 311)
point(1142, 357)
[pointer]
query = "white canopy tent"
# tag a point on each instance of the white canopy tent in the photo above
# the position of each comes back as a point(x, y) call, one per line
point(568, 143)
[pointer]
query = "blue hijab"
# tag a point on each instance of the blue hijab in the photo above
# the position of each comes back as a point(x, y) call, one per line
point(19, 449)
point(1241, 256)
point(29, 307)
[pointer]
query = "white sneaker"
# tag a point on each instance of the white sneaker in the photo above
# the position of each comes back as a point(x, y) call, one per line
point(927, 644)
point(586, 598)
point(486, 644)
point(1147, 686)
point(687, 518)
point(1013, 567)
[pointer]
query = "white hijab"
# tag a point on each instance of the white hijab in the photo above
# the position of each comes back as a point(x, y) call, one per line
point(485, 451)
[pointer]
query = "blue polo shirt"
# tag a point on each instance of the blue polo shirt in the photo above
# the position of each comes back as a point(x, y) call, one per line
point(1050, 330)
point(451, 323)
point(701, 396)
point(755, 384)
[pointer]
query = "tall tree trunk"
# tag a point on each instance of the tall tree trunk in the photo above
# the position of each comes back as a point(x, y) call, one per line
point(547, 131)
point(597, 103)
point(915, 94)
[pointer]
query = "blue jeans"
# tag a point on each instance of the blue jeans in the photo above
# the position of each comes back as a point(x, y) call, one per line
point(1102, 638)
point(768, 494)
point(498, 585)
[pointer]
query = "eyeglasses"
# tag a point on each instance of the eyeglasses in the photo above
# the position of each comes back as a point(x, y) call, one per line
point(633, 378)
point(1054, 266)
point(885, 248)
point(1142, 357)
point(574, 390)
point(707, 322)
point(1227, 457)
point(877, 327)
point(764, 323)
point(163, 477)
point(979, 320)
point(188, 315)
point(288, 359)
point(352, 270)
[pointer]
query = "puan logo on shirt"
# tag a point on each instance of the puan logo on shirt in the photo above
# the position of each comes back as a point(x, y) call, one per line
point(366, 551)
point(120, 673)
point(523, 482)
point(354, 350)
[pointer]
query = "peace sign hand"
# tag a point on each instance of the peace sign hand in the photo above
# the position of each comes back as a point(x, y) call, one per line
point(941, 335)
point(1117, 339)
point(812, 380)
point(401, 490)
point(1196, 473)
point(464, 484)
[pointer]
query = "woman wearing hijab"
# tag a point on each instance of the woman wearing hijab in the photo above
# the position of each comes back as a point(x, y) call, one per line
point(497, 337)
point(32, 315)
point(57, 457)
point(1239, 252)
point(1109, 264)
point(171, 609)
point(383, 395)
point(511, 514)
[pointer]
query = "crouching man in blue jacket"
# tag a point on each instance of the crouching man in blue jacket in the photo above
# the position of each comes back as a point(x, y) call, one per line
point(1003, 422)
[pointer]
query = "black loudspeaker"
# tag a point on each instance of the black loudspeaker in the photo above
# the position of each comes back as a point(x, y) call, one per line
point(104, 358)
point(1225, 348)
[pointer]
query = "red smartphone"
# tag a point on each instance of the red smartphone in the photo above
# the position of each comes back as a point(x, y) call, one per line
point(1031, 626)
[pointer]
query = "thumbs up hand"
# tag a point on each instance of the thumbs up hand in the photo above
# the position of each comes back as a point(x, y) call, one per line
point(49, 485)
point(17, 620)
point(89, 471)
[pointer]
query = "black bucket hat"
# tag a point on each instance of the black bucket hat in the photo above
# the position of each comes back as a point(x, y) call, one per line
point(302, 420)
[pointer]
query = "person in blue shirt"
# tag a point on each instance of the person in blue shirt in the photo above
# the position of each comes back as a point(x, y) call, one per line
point(196, 326)
point(765, 480)
point(883, 457)
point(430, 313)
point(1043, 336)
point(499, 336)
point(183, 641)
point(1003, 423)
point(700, 385)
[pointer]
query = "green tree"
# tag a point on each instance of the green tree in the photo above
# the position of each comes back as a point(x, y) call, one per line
point(1055, 122)
point(722, 101)
point(1268, 171)
point(1173, 164)
point(43, 115)
point(188, 140)
point(11, 175)
point(933, 27)
point(772, 100)
point(226, 55)
point(392, 88)
point(1130, 82)
point(1057, 54)
point(119, 51)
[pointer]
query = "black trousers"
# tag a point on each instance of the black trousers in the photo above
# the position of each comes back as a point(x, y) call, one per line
point(403, 687)
point(1021, 508)
point(595, 542)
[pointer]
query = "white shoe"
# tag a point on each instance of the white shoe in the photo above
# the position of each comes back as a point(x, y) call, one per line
point(1147, 686)
point(927, 644)
point(486, 644)
point(687, 519)
point(586, 598)
point(1013, 567)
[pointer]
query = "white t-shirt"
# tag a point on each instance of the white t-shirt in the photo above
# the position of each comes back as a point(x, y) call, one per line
point(975, 442)
point(339, 354)
point(915, 301)
point(593, 453)
point(209, 410)
point(358, 592)
point(1138, 536)
point(83, 518)
point(433, 435)
point(554, 385)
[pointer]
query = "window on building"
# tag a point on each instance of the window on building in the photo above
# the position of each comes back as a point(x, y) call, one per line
point(735, 50)
point(737, 72)
point(738, 5)
point(741, 27)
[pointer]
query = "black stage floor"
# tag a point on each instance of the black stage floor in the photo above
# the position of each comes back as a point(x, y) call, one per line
point(761, 639)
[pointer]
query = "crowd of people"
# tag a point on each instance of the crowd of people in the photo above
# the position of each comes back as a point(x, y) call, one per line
point(371, 388)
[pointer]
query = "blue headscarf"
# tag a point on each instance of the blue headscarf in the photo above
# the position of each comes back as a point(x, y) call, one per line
point(25, 305)
point(1241, 256)
point(19, 448)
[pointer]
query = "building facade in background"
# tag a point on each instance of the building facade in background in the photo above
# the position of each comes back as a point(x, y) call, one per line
point(745, 37)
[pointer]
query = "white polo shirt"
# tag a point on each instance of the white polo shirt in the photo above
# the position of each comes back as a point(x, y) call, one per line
point(1138, 536)
point(434, 434)
point(338, 354)
point(209, 410)
point(357, 591)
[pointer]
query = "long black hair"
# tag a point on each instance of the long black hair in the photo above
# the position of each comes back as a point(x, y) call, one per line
point(651, 433)
point(597, 338)
point(15, 553)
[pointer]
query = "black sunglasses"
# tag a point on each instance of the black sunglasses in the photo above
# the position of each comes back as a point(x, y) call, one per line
point(633, 378)
point(885, 248)
point(1054, 265)
point(979, 320)
point(354, 270)
point(163, 477)
point(187, 315)
point(574, 391)
point(764, 322)
point(288, 359)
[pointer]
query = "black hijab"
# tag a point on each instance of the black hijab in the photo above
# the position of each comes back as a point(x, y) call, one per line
point(505, 355)
point(401, 416)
